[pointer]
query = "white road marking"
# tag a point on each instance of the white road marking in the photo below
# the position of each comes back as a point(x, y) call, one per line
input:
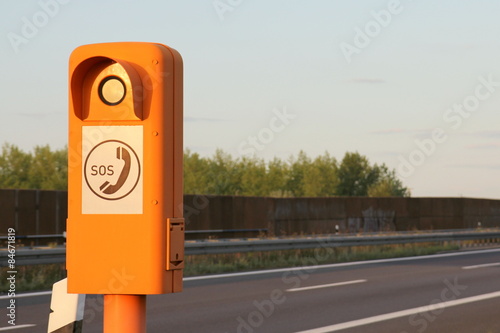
point(403, 313)
point(15, 327)
point(326, 285)
point(482, 266)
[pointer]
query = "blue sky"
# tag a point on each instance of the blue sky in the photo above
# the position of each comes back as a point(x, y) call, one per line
point(385, 78)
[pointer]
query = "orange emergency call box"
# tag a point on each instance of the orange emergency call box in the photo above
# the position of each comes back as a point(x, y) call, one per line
point(125, 230)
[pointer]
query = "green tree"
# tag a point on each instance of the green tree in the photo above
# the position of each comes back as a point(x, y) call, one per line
point(388, 185)
point(320, 178)
point(278, 173)
point(49, 169)
point(195, 173)
point(356, 175)
point(297, 171)
point(224, 177)
point(253, 175)
point(298, 176)
point(14, 167)
point(41, 169)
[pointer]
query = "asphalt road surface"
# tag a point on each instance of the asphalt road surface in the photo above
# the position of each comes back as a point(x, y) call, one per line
point(454, 292)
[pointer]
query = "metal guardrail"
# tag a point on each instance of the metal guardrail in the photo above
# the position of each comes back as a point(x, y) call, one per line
point(3, 238)
point(34, 256)
point(58, 255)
point(188, 232)
point(222, 231)
point(235, 246)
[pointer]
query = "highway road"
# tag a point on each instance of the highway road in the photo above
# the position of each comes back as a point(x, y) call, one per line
point(452, 292)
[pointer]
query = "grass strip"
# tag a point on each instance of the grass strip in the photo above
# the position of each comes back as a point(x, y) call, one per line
point(239, 262)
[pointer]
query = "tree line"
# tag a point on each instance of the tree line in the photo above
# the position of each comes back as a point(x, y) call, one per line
point(222, 174)
point(42, 168)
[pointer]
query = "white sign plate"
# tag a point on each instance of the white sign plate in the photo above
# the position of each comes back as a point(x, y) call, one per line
point(112, 167)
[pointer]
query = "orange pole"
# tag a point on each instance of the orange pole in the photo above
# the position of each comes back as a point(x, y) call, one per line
point(124, 313)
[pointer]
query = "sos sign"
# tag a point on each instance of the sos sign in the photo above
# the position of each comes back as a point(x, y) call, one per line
point(112, 170)
point(125, 228)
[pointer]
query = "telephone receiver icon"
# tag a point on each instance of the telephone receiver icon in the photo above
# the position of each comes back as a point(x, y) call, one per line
point(121, 154)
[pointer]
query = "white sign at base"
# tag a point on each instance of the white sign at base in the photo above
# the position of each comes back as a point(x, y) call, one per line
point(67, 309)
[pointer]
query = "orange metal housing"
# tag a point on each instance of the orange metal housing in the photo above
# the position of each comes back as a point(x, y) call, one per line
point(120, 245)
